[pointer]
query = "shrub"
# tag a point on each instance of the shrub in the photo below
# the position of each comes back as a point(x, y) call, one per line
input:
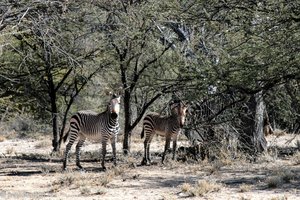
point(245, 188)
point(2, 138)
point(274, 181)
point(296, 158)
point(200, 188)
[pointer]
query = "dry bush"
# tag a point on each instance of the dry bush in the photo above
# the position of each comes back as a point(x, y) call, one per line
point(201, 188)
point(215, 167)
point(279, 132)
point(10, 150)
point(23, 125)
point(186, 187)
point(286, 174)
point(85, 190)
point(296, 158)
point(45, 169)
point(274, 181)
point(2, 138)
point(245, 187)
point(268, 156)
point(85, 181)
point(117, 171)
point(221, 144)
point(279, 177)
point(67, 180)
point(105, 180)
point(101, 191)
point(131, 161)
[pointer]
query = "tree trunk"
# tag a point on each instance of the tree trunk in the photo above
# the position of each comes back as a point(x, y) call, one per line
point(253, 139)
point(260, 142)
point(55, 143)
point(64, 122)
point(127, 125)
point(54, 111)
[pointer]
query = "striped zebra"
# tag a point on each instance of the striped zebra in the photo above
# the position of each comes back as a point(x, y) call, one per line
point(100, 127)
point(166, 126)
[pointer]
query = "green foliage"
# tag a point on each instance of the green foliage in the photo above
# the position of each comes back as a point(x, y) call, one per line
point(144, 47)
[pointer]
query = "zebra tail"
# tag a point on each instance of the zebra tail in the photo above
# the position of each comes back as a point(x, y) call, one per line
point(66, 136)
point(142, 133)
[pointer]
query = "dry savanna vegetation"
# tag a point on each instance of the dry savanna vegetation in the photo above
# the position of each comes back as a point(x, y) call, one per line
point(29, 171)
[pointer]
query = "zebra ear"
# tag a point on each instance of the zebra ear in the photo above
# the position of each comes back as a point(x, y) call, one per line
point(114, 95)
point(119, 91)
point(173, 105)
point(107, 92)
point(186, 105)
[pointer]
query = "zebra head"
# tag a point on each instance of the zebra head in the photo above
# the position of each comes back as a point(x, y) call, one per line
point(179, 110)
point(114, 106)
point(182, 114)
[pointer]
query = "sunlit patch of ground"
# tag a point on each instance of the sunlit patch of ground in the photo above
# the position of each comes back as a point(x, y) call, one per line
point(27, 171)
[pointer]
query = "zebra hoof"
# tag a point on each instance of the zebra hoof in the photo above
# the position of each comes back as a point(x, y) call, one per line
point(82, 170)
point(79, 167)
point(146, 162)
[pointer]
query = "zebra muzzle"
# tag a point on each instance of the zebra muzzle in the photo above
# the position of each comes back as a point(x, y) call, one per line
point(114, 115)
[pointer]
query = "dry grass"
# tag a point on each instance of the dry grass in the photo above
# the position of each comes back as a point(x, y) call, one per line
point(296, 158)
point(168, 197)
point(279, 132)
point(2, 138)
point(279, 177)
point(201, 188)
point(44, 177)
point(43, 144)
point(279, 198)
point(85, 190)
point(245, 187)
point(186, 187)
point(86, 181)
point(10, 150)
point(216, 167)
point(268, 156)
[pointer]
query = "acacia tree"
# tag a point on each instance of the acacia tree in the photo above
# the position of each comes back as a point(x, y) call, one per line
point(244, 47)
point(135, 41)
point(51, 51)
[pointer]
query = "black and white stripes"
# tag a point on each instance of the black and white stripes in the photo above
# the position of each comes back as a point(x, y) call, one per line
point(100, 127)
point(166, 126)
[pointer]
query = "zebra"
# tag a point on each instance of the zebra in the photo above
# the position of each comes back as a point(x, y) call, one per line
point(100, 127)
point(167, 126)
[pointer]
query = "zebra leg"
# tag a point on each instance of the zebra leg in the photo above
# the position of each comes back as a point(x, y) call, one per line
point(167, 145)
point(78, 147)
point(113, 146)
point(103, 153)
point(147, 142)
point(68, 148)
point(174, 147)
point(145, 159)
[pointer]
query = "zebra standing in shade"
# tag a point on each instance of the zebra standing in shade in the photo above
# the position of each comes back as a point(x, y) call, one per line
point(167, 126)
point(100, 127)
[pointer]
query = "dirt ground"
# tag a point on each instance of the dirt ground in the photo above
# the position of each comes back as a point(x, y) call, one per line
point(28, 171)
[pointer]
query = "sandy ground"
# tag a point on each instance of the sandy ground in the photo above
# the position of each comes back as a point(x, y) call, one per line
point(27, 171)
